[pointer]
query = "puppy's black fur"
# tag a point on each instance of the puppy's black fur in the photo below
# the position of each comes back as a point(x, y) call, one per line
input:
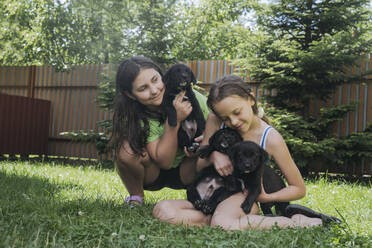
point(223, 141)
point(180, 78)
point(208, 190)
point(249, 160)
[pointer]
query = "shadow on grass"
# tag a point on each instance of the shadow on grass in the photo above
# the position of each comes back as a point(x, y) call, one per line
point(34, 209)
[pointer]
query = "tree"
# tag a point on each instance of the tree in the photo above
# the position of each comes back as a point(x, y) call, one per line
point(303, 49)
point(129, 27)
point(213, 30)
point(34, 32)
point(308, 46)
point(63, 34)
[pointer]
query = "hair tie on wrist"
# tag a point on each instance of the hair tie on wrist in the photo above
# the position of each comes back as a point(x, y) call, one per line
point(260, 112)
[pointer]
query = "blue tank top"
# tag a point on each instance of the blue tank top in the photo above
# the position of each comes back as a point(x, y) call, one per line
point(264, 136)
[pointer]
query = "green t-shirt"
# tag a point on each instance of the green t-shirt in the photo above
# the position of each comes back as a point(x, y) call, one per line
point(156, 130)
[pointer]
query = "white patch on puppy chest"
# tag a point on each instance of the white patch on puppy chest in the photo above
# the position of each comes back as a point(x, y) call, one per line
point(207, 187)
point(190, 128)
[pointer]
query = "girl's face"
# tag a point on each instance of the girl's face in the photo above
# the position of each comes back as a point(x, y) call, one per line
point(148, 88)
point(236, 112)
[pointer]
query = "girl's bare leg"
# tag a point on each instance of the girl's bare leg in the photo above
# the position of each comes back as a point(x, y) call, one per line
point(135, 170)
point(230, 216)
point(180, 212)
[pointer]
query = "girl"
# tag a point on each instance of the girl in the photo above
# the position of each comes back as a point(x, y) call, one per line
point(234, 106)
point(146, 153)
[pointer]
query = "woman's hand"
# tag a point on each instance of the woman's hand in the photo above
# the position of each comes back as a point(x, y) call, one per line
point(193, 154)
point(222, 163)
point(183, 108)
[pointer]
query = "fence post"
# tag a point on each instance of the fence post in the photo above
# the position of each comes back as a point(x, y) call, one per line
point(31, 81)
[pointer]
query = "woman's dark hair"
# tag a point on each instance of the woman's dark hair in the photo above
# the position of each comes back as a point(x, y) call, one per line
point(130, 120)
point(229, 86)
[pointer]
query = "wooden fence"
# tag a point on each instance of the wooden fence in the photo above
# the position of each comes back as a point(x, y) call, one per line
point(24, 125)
point(72, 95)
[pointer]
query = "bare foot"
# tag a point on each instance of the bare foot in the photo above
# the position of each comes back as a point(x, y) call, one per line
point(304, 221)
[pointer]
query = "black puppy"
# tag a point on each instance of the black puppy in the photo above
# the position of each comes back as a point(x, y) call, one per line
point(208, 190)
point(249, 161)
point(223, 141)
point(177, 79)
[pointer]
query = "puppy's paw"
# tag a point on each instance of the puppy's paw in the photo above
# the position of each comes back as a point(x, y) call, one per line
point(246, 207)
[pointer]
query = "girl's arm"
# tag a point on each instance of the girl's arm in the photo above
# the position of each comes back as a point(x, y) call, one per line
point(296, 189)
point(221, 162)
point(163, 150)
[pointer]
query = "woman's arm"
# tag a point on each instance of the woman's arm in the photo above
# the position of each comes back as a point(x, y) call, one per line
point(221, 162)
point(163, 150)
point(296, 189)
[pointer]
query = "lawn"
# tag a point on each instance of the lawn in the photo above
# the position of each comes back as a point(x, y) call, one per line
point(59, 205)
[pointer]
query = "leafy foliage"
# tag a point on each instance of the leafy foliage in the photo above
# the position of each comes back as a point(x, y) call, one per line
point(304, 55)
point(43, 32)
point(310, 141)
point(214, 30)
point(303, 50)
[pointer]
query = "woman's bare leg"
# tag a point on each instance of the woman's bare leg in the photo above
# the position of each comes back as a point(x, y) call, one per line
point(180, 212)
point(135, 170)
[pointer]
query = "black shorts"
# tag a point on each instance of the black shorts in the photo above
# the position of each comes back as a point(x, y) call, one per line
point(167, 178)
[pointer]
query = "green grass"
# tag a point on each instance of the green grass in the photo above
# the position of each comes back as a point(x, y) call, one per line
point(54, 205)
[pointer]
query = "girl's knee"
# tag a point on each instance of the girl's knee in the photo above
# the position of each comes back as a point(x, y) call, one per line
point(164, 211)
point(125, 154)
point(126, 157)
point(222, 221)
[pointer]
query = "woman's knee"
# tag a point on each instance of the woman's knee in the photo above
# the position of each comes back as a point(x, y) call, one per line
point(164, 211)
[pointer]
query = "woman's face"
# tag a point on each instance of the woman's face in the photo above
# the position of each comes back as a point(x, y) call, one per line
point(148, 88)
point(236, 112)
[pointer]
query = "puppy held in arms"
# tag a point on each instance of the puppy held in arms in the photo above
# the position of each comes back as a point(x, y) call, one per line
point(177, 79)
point(208, 190)
point(249, 161)
point(246, 156)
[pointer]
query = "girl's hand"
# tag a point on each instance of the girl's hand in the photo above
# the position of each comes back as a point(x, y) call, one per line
point(183, 108)
point(222, 164)
point(263, 197)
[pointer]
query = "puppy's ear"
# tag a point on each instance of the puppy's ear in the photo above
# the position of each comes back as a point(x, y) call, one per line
point(165, 78)
point(193, 79)
point(167, 75)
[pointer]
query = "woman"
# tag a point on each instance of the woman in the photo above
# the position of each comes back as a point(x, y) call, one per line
point(146, 153)
point(234, 106)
